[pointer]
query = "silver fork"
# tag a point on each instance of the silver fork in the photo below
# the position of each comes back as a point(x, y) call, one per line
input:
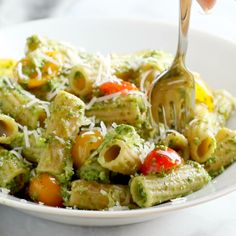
point(172, 93)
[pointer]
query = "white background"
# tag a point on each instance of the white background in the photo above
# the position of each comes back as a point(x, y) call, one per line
point(216, 218)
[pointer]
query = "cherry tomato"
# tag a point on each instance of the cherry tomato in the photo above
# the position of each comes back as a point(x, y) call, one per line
point(114, 87)
point(159, 161)
point(44, 188)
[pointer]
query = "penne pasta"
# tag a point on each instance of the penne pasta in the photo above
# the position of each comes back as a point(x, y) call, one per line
point(107, 195)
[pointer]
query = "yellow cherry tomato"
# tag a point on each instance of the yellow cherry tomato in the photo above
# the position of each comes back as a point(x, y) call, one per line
point(85, 143)
point(203, 93)
point(44, 188)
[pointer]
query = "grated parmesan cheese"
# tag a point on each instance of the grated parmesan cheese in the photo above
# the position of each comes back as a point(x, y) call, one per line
point(103, 128)
point(20, 126)
point(29, 104)
point(103, 192)
point(145, 149)
point(9, 83)
point(47, 58)
point(55, 91)
point(20, 72)
point(26, 136)
point(61, 140)
point(39, 73)
point(16, 153)
point(114, 125)
point(102, 99)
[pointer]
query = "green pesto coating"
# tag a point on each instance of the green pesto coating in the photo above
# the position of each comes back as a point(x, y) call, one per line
point(126, 133)
point(95, 196)
point(14, 100)
point(91, 170)
point(151, 190)
point(127, 160)
point(225, 153)
point(66, 116)
point(55, 159)
point(35, 149)
point(130, 109)
point(14, 171)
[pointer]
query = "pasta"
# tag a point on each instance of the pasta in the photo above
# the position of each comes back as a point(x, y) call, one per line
point(14, 171)
point(21, 105)
point(76, 131)
point(151, 190)
point(91, 170)
point(224, 154)
point(67, 115)
point(8, 129)
point(130, 109)
point(120, 150)
point(107, 195)
point(178, 142)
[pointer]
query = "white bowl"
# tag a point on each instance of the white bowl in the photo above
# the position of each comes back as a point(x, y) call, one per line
point(212, 57)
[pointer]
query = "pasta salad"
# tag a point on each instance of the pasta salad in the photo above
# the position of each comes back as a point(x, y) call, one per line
point(75, 130)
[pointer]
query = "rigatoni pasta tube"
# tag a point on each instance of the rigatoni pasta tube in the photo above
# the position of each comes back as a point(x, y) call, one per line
point(151, 190)
point(130, 109)
point(81, 80)
point(55, 159)
point(24, 107)
point(32, 151)
point(8, 129)
point(94, 196)
point(66, 116)
point(225, 153)
point(14, 171)
point(178, 142)
point(201, 138)
point(121, 149)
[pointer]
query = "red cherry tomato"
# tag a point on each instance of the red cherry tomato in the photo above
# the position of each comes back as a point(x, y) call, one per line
point(159, 161)
point(114, 87)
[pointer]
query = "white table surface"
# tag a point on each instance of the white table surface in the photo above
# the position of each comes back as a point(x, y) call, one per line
point(217, 217)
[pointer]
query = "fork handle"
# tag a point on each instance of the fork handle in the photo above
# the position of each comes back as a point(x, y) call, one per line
point(184, 17)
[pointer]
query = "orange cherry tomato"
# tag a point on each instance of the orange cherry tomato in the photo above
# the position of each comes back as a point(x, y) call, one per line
point(85, 143)
point(114, 87)
point(159, 161)
point(45, 188)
